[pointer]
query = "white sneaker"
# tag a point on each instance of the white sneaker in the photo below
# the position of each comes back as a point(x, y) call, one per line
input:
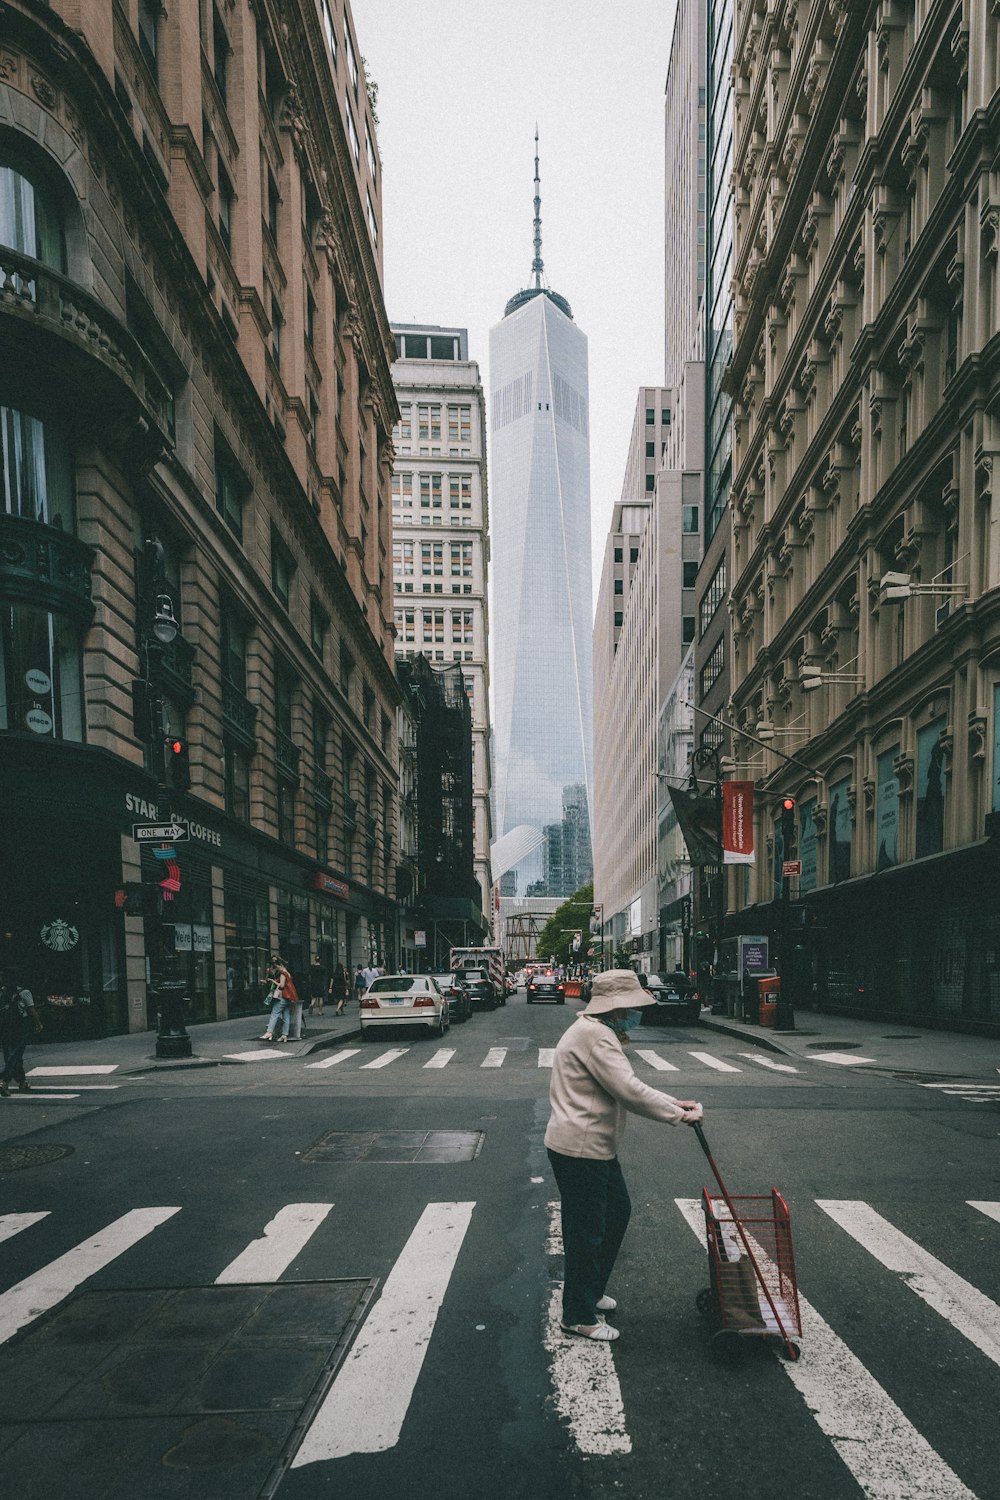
point(607, 1304)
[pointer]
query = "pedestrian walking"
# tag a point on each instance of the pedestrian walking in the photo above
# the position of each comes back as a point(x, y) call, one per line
point(360, 983)
point(294, 1029)
point(340, 985)
point(317, 987)
point(277, 978)
point(591, 1090)
point(18, 1021)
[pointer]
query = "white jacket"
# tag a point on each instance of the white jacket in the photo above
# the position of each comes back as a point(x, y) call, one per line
point(592, 1088)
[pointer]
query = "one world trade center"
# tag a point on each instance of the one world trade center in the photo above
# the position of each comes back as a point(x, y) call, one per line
point(541, 572)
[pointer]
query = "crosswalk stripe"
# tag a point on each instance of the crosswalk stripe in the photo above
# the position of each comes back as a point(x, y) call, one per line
point(262, 1054)
point(660, 1063)
point(441, 1058)
point(11, 1224)
point(986, 1088)
point(885, 1453)
point(385, 1058)
point(368, 1401)
point(715, 1062)
point(991, 1210)
point(494, 1058)
point(267, 1258)
point(68, 1071)
point(38, 1293)
point(765, 1062)
point(38, 1096)
point(341, 1056)
point(842, 1059)
point(960, 1303)
point(546, 1057)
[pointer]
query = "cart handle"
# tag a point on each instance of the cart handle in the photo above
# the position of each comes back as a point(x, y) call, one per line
point(703, 1143)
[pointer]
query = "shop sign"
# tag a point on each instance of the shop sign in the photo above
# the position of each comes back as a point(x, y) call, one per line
point(754, 956)
point(192, 937)
point(330, 885)
point(59, 935)
point(38, 721)
point(38, 682)
point(737, 822)
point(420, 940)
point(144, 808)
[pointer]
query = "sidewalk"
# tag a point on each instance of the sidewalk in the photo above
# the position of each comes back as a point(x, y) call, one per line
point(212, 1043)
point(895, 1046)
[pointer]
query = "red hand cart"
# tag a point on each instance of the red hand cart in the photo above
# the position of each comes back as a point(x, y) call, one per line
point(753, 1292)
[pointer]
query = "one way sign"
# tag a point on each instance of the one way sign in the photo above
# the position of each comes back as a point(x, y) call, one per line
point(160, 833)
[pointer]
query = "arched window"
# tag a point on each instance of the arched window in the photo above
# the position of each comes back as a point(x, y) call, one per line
point(30, 221)
point(35, 473)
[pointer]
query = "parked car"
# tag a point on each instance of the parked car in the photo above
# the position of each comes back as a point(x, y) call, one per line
point(459, 999)
point(675, 999)
point(403, 1000)
point(480, 988)
point(544, 988)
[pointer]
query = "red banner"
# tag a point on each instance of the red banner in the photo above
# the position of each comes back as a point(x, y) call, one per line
point(737, 822)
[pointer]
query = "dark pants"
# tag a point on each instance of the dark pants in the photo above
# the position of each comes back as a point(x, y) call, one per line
point(13, 1062)
point(595, 1212)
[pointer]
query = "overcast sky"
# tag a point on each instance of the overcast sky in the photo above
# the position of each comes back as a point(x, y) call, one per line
point(461, 85)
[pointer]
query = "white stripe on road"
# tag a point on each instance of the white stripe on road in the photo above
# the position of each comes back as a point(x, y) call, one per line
point(988, 1088)
point(368, 1401)
point(441, 1058)
point(765, 1062)
point(660, 1063)
point(587, 1394)
point(267, 1258)
point(11, 1224)
point(957, 1300)
point(494, 1058)
point(991, 1210)
point(546, 1057)
point(40, 1292)
point(715, 1062)
point(331, 1062)
point(265, 1054)
point(842, 1059)
point(385, 1058)
point(36, 1097)
point(886, 1454)
point(66, 1072)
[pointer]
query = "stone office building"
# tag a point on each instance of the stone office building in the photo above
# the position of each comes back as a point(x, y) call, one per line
point(195, 411)
point(865, 554)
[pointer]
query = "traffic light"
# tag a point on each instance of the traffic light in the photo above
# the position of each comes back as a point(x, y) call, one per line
point(137, 898)
point(178, 764)
point(787, 825)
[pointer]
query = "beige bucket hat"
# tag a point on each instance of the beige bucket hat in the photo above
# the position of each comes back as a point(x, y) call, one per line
point(616, 989)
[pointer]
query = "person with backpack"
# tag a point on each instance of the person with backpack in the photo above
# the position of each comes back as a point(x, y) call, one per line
point(18, 1019)
point(278, 979)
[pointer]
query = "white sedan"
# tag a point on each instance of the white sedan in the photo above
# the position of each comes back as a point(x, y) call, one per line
point(404, 1000)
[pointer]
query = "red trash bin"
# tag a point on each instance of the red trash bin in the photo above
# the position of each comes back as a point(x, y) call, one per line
point(768, 991)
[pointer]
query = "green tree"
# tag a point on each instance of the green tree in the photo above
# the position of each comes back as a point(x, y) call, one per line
point(556, 938)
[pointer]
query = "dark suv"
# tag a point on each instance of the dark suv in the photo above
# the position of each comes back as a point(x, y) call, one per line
point(480, 987)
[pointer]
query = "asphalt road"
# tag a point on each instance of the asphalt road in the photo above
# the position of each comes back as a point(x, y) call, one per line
point(443, 1374)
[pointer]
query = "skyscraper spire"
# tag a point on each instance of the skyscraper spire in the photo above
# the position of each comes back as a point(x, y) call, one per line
point(536, 264)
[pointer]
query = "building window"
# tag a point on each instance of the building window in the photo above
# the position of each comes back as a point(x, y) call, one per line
point(430, 491)
point(432, 559)
point(461, 559)
point(367, 705)
point(429, 423)
point(352, 61)
point(237, 773)
point(282, 568)
point(285, 808)
point(35, 470)
point(619, 616)
point(690, 574)
point(310, 319)
point(231, 488)
point(41, 686)
point(712, 597)
point(619, 586)
point(618, 555)
point(650, 416)
point(687, 629)
point(633, 554)
point(319, 625)
point(273, 206)
point(405, 410)
point(370, 151)
point(149, 20)
point(650, 483)
point(328, 31)
point(459, 424)
point(689, 518)
point(712, 670)
point(461, 626)
point(346, 670)
point(372, 221)
point(460, 491)
point(352, 135)
point(29, 216)
point(220, 48)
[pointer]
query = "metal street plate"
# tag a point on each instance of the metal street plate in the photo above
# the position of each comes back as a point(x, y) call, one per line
point(158, 833)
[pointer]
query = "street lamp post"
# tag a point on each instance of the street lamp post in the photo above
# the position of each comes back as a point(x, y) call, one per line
point(710, 757)
point(159, 630)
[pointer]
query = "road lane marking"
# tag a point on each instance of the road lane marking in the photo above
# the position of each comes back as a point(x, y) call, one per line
point(441, 1058)
point(715, 1062)
point(546, 1057)
point(991, 1210)
point(980, 1088)
point(67, 1072)
point(38, 1097)
point(265, 1054)
point(494, 1058)
point(11, 1224)
point(660, 1063)
point(331, 1062)
point(38, 1293)
point(368, 1401)
point(587, 1393)
point(884, 1452)
point(385, 1058)
point(267, 1258)
point(765, 1062)
point(957, 1300)
point(842, 1059)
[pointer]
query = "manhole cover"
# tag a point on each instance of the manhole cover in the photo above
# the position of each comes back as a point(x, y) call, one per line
point(12, 1158)
point(400, 1147)
point(840, 1046)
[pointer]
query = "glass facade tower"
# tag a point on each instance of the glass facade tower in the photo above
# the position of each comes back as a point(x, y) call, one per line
point(541, 575)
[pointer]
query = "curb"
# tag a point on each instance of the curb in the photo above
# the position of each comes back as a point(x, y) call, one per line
point(748, 1036)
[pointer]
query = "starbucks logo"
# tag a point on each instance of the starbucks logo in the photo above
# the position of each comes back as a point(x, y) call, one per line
point(60, 936)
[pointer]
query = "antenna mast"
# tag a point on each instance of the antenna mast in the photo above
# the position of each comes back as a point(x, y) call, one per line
point(536, 264)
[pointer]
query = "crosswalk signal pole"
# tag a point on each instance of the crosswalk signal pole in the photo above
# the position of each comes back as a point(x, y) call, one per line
point(784, 1016)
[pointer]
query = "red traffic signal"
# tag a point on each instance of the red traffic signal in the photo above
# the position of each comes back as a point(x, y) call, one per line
point(788, 804)
point(178, 764)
